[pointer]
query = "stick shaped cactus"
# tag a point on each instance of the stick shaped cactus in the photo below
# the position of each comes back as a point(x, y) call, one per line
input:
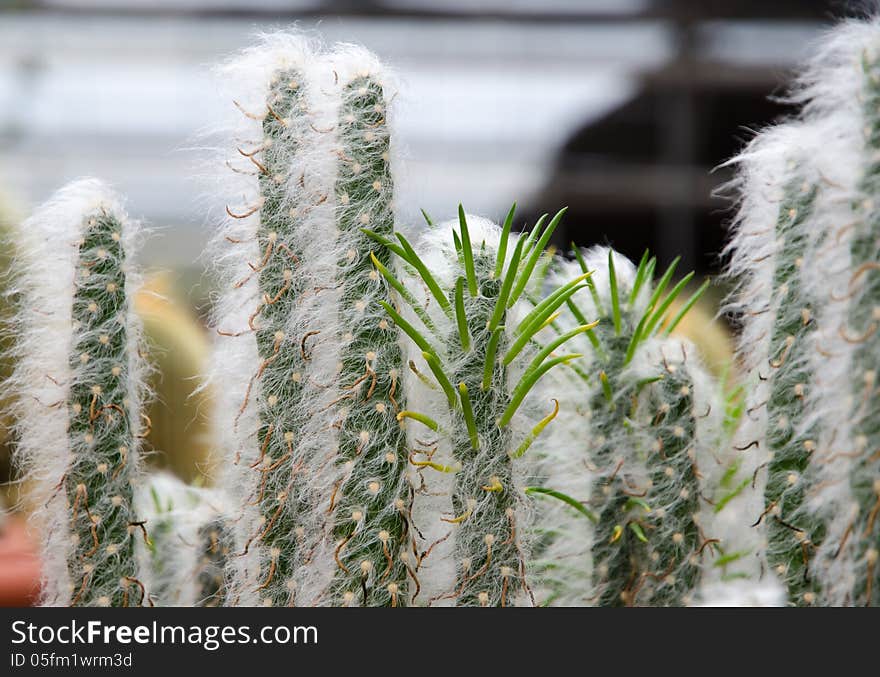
point(792, 532)
point(370, 505)
point(778, 329)
point(862, 333)
point(476, 343)
point(644, 441)
point(270, 359)
point(807, 298)
point(79, 378)
point(841, 94)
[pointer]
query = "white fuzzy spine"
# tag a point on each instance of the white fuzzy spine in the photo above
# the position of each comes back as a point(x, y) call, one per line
point(839, 90)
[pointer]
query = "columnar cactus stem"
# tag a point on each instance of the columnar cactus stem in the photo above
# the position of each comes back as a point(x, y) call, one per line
point(474, 355)
point(776, 231)
point(648, 545)
point(80, 376)
point(371, 503)
point(863, 334)
point(792, 533)
point(272, 356)
point(282, 495)
point(490, 565)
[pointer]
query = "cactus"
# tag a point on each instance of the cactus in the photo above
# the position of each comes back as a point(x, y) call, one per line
point(863, 323)
point(189, 543)
point(844, 88)
point(476, 340)
point(807, 295)
point(371, 501)
point(777, 340)
point(791, 532)
point(80, 380)
point(645, 398)
point(271, 322)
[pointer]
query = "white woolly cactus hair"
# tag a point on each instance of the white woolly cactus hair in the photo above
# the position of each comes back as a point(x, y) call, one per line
point(822, 162)
point(74, 262)
point(275, 259)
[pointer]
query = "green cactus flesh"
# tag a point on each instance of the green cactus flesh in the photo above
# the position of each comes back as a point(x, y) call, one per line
point(283, 492)
point(102, 564)
point(792, 533)
point(371, 505)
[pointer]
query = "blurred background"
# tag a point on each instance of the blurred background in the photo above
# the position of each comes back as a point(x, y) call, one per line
point(620, 109)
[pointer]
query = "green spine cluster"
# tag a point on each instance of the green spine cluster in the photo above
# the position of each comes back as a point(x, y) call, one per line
point(371, 504)
point(792, 533)
point(472, 368)
point(645, 497)
point(103, 564)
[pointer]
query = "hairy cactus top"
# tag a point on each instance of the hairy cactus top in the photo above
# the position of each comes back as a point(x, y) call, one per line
point(474, 340)
point(643, 440)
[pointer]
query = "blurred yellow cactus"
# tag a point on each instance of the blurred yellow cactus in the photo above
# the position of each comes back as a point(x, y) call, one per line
point(179, 350)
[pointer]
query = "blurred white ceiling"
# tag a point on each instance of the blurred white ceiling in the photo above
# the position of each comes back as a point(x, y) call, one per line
point(483, 109)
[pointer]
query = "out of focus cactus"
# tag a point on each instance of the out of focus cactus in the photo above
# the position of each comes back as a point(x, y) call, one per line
point(189, 543)
point(646, 442)
point(807, 293)
point(79, 385)
point(862, 336)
